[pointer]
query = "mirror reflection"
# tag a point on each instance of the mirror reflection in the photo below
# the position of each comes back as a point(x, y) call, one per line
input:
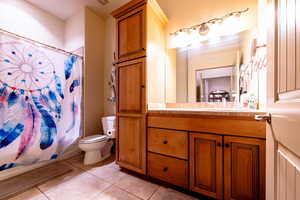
point(209, 72)
point(215, 85)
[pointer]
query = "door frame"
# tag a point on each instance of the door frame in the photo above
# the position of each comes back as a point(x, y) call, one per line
point(271, 142)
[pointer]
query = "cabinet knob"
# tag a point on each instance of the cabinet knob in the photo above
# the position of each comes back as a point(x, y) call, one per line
point(143, 49)
point(219, 144)
point(142, 86)
point(227, 145)
point(165, 169)
point(165, 142)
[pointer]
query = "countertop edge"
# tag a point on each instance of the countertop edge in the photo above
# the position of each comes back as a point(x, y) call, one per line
point(206, 112)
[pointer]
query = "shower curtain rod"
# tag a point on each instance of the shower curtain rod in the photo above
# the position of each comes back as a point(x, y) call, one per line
point(39, 43)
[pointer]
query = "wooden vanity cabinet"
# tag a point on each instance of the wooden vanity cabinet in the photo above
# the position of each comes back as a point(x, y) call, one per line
point(244, 168)
point(226, 154)
point(168, 142)
point(138, 23)
point(131, 146)
point(131, 115)
point(131, 32)
point(168, 156)
point(131, 86)
point(168, 169)
point(206, 160)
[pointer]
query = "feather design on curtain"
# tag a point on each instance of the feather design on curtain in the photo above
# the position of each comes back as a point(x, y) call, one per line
point(40, 91)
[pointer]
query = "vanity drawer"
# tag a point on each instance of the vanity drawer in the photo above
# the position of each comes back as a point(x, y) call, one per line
point(168, 142)
point(168, 169)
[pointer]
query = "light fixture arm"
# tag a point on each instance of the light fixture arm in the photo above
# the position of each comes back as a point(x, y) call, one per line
point(211, 21)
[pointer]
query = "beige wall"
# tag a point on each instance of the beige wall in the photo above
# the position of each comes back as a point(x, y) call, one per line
point(94, 70)
point(171, 77)
point(110, 43)
point(181, 75)
point(156, 54)
point(29, 21)
point(74, 31)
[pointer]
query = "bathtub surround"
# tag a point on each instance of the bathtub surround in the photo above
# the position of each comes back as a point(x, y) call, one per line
point(26, 181)
point(70, 35)
point(40, 102)
point(87, 29)
point(9, 173)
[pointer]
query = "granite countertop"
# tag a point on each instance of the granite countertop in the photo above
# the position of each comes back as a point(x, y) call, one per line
point(208, 111)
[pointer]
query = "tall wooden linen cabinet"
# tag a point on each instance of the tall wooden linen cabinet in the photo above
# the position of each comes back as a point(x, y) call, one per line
point(141, 46)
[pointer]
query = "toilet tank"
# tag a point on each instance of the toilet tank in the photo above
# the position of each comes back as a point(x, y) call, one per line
point(109, 123)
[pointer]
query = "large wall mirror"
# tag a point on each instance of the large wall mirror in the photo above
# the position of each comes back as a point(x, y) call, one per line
point(210, 72)
point(223, 64)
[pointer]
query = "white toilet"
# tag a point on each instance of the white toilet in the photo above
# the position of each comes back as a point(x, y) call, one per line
point(97, 147)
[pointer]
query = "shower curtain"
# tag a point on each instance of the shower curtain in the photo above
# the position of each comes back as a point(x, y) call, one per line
point(40, 102)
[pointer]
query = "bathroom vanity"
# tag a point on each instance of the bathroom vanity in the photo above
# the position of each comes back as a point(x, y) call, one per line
point(217, 150)
point(214, 153)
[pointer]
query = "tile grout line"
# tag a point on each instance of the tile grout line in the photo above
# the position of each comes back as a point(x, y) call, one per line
point(127, 191)
point(112, 184)
point(98, 179)
point(153, 193)
point(115, 184)
point(37, 187)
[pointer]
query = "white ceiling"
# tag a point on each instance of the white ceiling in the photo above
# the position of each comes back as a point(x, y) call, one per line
point(67, 8)
point(180, 12)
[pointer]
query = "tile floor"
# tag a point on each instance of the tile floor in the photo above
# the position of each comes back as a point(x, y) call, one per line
point(104, 181)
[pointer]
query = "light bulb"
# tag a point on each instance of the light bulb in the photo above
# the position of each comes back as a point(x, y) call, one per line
point(182, 39)
point(232, 25)
point(204, 29)
point(215, 31)
point(173, 41)
point(195, 37)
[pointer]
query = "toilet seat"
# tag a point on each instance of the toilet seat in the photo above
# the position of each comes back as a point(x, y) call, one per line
point(93, 139)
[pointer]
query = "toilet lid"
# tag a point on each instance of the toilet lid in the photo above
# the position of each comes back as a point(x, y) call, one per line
point(92, 139)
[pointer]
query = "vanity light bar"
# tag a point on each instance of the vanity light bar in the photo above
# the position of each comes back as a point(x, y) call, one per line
point(204, 27)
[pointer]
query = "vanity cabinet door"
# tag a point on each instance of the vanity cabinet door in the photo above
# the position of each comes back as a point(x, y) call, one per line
point(131, 34)
point(244, 168)
point(131, 86)
point(131, 143)
point(206, 164)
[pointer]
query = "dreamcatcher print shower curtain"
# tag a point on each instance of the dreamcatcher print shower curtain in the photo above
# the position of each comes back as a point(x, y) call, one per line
point(40, 98)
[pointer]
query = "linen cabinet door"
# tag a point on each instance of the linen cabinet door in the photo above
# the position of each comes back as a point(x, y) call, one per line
point(206, 164)
point(244, 168)
point(131, 34)
point(131, 142)
point(131, 87)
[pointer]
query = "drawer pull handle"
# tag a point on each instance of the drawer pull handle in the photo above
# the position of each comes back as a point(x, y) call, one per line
point(227, 145)
point(165, 142)
point(219, 144)
point(165, 169)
